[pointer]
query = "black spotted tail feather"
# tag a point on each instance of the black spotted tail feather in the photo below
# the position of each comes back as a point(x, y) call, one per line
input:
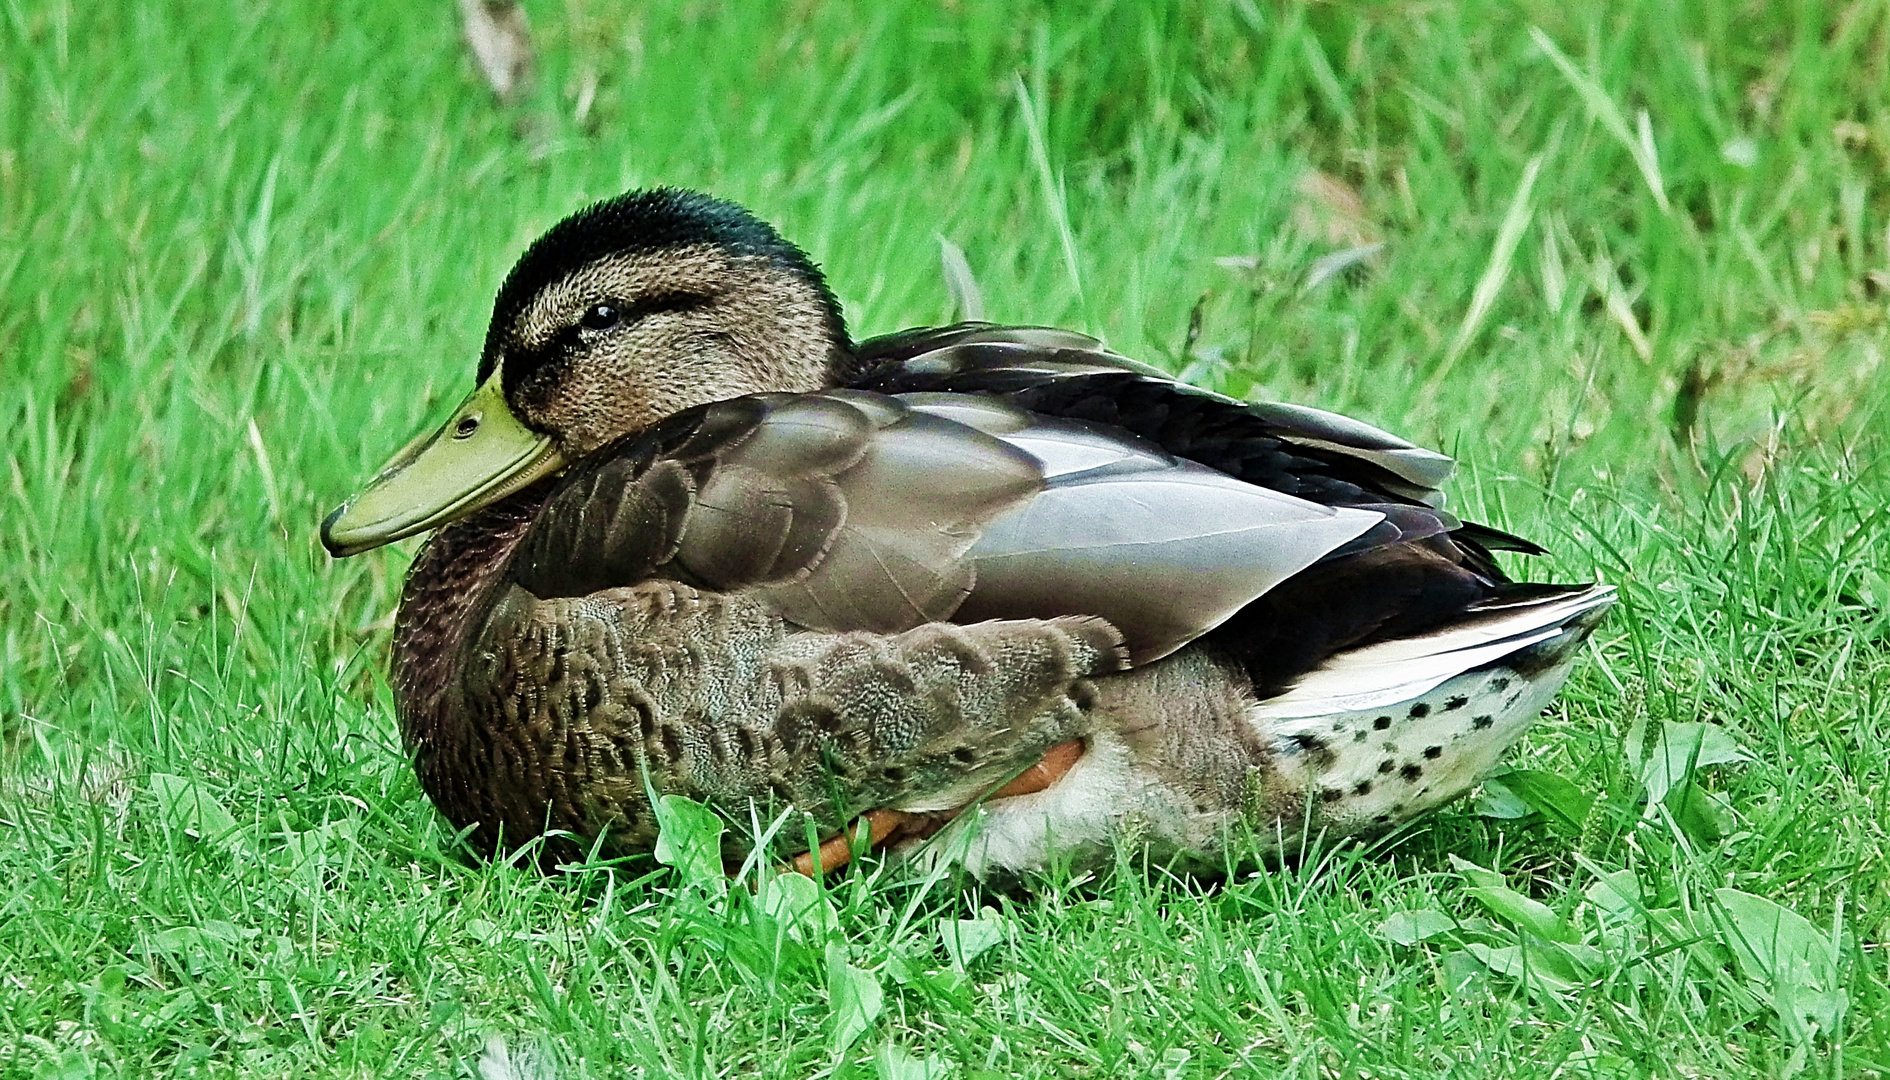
point(1381, 734)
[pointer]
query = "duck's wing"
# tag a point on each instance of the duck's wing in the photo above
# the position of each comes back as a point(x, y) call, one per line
point(853, 510)
point(1418, 567)
point(1301, 451)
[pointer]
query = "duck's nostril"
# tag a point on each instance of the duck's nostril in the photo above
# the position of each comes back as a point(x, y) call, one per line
point(466, 427)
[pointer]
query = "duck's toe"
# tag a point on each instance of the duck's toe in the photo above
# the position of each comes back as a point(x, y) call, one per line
point(887, 826)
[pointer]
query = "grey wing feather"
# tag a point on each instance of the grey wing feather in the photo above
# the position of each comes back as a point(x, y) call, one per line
point(916, 501)
point(770, 502)
point(1163, 548)
point(750, 526)
point(850, 511)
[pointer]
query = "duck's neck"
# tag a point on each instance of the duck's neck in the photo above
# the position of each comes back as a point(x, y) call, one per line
point(449, 589)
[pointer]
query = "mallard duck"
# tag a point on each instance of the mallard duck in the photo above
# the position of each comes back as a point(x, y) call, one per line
point(692, 538)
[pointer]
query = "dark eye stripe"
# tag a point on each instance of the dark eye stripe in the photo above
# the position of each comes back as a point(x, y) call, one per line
point(609, 314)
point(521, 364)
point(651, 305)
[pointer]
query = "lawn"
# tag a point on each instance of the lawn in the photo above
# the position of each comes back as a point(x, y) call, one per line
point(1635, 275)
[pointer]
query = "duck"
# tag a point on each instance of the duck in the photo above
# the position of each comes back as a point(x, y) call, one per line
point(984, 595)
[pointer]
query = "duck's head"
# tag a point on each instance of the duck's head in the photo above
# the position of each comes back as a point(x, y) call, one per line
point(622, 314)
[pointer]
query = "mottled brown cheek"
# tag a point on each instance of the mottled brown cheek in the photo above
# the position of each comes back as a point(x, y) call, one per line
point(607, 412)
point(587, 414)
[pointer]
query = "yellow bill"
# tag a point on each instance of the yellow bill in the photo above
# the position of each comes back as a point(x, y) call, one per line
point(479, 456)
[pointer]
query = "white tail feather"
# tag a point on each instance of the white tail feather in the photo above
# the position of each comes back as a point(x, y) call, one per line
point(1385, 674)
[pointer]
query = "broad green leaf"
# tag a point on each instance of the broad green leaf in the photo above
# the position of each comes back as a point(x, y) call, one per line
point(1509, 905)
point(185, 805)
point(853, 996)
point(892, 1062)
point(899, 970)
point(1475, 874)
point(1464, 974)
point(1703, 815)
point(305, 853)
point(1823, 1007)
point(1544, 967)
point(1674, 927)
point(227, 932)
point(1420, 924)
point(1778, 948)
point(689, 838)
point(1588, 960)
point(1477, 926)
point(1874, 589)
point(1794, 965)
point(176, 939)
point(967, 939)
point(1552, 796)
point(1617, 893)
point(796, 902)
point(1682, 749)
point(1522, 912)
point(1496, 800)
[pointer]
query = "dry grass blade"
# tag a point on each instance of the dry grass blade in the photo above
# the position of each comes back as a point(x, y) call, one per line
point(1329, 209)
point(1620, 308)
point(1496, 271)
point(501, 41)
point(1327, 267)
point(960, 285)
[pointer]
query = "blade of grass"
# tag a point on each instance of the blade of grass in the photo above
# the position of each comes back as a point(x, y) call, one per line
point(1051, 182)
point(1495, 271)
point(1603, 109)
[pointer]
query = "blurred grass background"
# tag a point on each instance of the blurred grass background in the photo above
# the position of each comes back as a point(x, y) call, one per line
point(1634, 275)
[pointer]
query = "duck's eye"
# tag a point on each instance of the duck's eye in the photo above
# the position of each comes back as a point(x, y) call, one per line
point(601, 317)
point(466, 426)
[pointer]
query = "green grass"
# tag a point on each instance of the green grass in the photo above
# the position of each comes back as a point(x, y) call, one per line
point(247, 249)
